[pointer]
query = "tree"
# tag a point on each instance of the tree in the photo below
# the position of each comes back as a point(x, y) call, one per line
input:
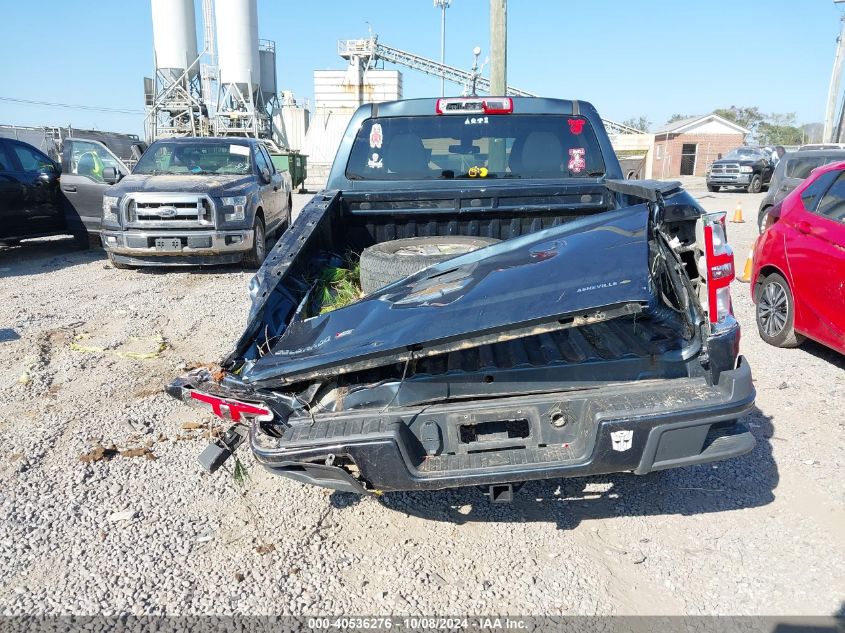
point(779, 129)
point(747, 117)
point(677, 117)
point(639, 123)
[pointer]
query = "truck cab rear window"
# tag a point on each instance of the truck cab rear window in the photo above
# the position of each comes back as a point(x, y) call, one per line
point(475, 146)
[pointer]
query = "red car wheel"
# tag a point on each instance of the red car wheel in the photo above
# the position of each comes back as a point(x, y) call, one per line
point(776, 313)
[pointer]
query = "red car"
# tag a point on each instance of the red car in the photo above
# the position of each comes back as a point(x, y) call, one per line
point(798, 277)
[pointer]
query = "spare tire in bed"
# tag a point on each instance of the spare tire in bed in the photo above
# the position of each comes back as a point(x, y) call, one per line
point(391, 261)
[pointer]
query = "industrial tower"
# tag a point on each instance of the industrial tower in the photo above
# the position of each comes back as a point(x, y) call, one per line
point(229, 88)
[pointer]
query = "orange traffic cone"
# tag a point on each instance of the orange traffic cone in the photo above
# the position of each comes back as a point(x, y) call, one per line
point(738, 214)
point(749, 264)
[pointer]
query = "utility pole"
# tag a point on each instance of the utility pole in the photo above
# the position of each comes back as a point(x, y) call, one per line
point(498, 47)
point(831, 133)
point(498, 74)
point(443, 5)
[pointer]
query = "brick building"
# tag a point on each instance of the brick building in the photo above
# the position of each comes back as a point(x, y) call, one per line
point(688, 147)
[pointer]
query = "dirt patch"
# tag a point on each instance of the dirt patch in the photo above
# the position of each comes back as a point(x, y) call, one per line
point(107, 453)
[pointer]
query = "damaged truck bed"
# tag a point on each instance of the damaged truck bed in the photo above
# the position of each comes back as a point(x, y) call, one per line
point(596, 336)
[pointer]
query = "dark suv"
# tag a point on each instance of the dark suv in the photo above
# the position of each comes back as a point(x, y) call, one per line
point(747, 167)
point(791, 171)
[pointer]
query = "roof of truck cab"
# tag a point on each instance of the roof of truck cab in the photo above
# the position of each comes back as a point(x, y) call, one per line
point(209, 140)
point(521, 105)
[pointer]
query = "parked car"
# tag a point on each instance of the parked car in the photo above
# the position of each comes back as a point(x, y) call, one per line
point(196, 201)
point(749, 168)
point(799, 264)
point(790, 172)
point(590, 332)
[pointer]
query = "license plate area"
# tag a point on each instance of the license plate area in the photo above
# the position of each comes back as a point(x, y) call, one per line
point(486, 431)
point(168, 244)
point(494, 431)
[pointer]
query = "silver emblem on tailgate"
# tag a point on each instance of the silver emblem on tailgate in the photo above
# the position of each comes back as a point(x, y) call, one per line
point(622, 440)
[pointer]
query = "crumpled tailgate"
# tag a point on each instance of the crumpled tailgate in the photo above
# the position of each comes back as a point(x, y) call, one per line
point(594, 268)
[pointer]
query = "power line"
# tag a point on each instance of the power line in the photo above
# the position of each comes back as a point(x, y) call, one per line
point(72, 106)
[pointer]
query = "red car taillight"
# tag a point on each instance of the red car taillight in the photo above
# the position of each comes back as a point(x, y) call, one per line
point(233, 410)
point(718, 264)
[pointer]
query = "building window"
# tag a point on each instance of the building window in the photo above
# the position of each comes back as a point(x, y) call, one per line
point(658, 152)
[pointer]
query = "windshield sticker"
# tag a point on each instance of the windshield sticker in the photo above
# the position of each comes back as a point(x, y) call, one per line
point(477, 172)
point(476, 120)
point(376, 136)
point(576, 160)
point(240, 150)
point(375, 162)
point(576, 126)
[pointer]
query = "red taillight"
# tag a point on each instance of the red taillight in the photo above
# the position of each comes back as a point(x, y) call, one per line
point(719, 259)
point(475, 105)
point(235, 408)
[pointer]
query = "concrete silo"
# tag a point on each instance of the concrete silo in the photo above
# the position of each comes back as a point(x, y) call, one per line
point(240, 105)
point(175, 103)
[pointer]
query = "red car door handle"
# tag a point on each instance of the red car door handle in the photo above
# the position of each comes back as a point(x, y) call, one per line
point(804, 227)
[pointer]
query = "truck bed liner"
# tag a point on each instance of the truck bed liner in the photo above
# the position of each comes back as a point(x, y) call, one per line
point(611, 340)
point(623, 349)
point(616, 340)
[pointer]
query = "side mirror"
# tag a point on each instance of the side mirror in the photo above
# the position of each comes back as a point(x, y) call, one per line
point(48, 172)
point(110, 175)
point(265, 176)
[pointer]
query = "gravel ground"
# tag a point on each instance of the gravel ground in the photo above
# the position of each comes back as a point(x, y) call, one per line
point(762, 534)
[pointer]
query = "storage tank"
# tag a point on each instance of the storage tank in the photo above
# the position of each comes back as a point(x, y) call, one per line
point(237, 42)
point(175, 36)
point(267, 61)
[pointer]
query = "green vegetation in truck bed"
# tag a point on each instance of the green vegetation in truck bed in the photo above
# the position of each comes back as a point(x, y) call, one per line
point(338, 286)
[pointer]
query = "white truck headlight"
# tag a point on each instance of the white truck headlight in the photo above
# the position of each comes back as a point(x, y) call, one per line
point(110, 209)
point(238, 204)
point(746, 169)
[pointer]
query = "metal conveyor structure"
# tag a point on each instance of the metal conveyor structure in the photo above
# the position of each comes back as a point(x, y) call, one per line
point(370, 50)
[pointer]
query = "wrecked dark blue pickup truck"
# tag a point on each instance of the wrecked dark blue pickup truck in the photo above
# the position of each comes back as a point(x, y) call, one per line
point(523, 312)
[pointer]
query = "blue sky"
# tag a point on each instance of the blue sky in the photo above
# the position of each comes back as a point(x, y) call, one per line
point(647, 57)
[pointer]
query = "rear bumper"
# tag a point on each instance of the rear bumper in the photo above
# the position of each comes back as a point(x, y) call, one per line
point(629, 428)
point(198, 247)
